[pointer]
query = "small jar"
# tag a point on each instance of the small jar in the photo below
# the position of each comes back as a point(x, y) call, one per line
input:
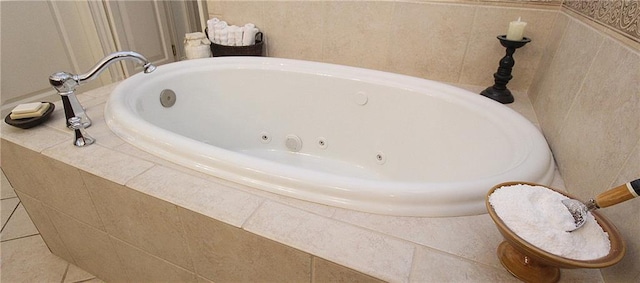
point(196, 45)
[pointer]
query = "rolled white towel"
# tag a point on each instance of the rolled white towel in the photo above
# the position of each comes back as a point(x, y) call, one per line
point(211, 27)
point(231, 35)
point(222, 36)
point(249, 36)
point(239, 32)
point(220, 25)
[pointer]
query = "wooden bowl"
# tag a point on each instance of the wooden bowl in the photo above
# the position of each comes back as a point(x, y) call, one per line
point(532, 264)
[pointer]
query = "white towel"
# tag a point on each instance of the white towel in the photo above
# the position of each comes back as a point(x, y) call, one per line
point(223, 36)
point(211, 29)
point(239, 32)
point(231, 35)
point(218, 34)
point(249, 36)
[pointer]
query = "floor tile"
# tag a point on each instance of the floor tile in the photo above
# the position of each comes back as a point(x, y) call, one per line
point(28, 260)
point(18, 226)
point(7, 208)
point(6, 191)
point(76, 274)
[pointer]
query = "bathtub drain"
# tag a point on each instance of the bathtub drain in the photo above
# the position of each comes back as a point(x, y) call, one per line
point(293, 143)
point(167, 98)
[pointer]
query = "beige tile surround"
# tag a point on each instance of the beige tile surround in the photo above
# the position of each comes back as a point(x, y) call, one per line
point(25, 256)
point(587, 98)
point(164, 221)
point(452, 41)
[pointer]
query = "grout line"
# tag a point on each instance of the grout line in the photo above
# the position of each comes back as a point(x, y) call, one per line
point(466, 47)
point(187, 242)
point(10, 215)
point(64, 275)
point(576, 96)
point(21, 237)
point(242, 225)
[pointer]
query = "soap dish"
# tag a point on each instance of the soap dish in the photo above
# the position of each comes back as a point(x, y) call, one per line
point(30, 122)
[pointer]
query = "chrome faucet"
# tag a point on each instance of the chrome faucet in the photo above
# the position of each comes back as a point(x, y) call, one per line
point(65, 83)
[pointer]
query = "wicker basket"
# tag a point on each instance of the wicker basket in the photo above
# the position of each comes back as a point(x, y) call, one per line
point(218, 50)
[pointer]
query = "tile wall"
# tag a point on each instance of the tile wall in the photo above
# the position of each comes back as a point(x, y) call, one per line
point(587, 98)
point(451, 41)
point(123, 235)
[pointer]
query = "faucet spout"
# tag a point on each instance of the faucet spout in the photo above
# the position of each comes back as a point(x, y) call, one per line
point(65, 83)
point(112, 58)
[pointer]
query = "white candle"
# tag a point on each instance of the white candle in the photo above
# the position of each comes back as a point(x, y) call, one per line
point(516, 29)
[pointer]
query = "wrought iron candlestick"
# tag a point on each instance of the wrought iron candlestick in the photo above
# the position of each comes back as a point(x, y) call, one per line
point(499, 91)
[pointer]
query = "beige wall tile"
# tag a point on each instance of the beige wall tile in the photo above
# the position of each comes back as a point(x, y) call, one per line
point(223, 253)
point(339, 242)
point(100, 161)
point(326, 271)
point(50, 181)
point(560, 83)
point(587, 99)
point(471, 237)
point(16, 161)
point(143, 267)
point(603, 125)
point(29, 260)
point(238, 12)
point(47, 230)
point(484, 50)
point(440, 40)
point(141, 220)
point(429, 40)
point(435, 266)
point(205, 197)
point(296, 27)
point(554, 40)
point(90, 248)
point(620, 214)
point(357, 33)
point(33, 139)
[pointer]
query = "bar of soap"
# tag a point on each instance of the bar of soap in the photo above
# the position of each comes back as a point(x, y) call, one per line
point(29, 110)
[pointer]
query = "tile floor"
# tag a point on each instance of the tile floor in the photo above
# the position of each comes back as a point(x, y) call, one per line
point(24, 257)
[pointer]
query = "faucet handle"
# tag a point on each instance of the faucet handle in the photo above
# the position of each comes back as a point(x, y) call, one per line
point(82, 138)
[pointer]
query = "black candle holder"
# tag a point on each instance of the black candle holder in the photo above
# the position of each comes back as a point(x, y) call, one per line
point(499, 91)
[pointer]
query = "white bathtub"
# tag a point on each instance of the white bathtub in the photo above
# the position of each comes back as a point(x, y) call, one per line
point(341, 136)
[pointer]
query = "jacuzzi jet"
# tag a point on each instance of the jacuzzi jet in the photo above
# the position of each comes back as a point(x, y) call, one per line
point(381, 158)
point(293, 143)
point(265, 137)
point(322, 143)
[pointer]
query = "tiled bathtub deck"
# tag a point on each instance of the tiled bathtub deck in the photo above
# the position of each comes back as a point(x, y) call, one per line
point(396, 249)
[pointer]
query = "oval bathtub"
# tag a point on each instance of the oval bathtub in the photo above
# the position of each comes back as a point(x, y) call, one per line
point(341, 136)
